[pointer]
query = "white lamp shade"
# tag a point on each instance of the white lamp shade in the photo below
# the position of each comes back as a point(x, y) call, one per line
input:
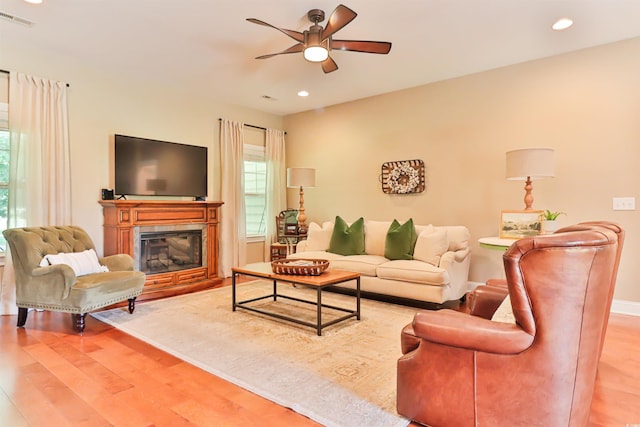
point(316, 54)
point(301, 177)
point(536, 163)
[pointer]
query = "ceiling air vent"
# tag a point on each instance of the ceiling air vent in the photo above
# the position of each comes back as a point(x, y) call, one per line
point(16, 19)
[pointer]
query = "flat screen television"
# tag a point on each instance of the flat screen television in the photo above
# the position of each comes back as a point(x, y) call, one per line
point(147, 167)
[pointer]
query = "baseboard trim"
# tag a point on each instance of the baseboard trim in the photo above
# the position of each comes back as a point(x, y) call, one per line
point(630, 308)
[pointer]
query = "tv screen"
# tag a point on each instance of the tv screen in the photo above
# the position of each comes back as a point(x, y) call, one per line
point(148, 167)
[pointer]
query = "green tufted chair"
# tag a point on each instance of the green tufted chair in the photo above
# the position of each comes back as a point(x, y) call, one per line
point(56, 287)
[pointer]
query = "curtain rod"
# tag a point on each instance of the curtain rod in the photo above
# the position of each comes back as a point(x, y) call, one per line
point(252, 126)
point(7, 72)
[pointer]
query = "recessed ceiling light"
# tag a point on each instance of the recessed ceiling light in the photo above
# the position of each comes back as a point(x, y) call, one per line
point(562, 24)
point(34, 1)
point(303, 93)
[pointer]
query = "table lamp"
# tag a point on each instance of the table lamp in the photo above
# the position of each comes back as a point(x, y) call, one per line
point(529, 164)
point(301, 177)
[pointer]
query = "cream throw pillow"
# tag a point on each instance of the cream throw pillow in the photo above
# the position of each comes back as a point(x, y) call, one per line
point(375, 235)
point(430, 246)
point(318, 238)
point(82, 263)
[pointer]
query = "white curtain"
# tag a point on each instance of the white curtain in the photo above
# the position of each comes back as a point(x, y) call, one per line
point(233, 240)
point(39, 172)
point(276, 189)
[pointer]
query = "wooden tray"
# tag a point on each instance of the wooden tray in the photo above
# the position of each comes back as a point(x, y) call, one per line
point(300, 266)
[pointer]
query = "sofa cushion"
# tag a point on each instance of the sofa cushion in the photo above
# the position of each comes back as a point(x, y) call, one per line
point(400, 240)
point(430, 246)
point(375, 234)
point(347, 239)
point(364, 264)
point(413, 271)
point(318, 238)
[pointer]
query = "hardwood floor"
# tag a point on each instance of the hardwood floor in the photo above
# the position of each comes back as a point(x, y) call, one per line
point(51, 376)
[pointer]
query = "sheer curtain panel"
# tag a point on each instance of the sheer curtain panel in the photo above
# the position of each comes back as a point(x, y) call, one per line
point(39, 168)
point(276, 184)
point(233, 240)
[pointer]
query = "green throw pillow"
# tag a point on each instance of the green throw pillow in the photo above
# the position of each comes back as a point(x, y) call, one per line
point(347, 240)
point(400, 241)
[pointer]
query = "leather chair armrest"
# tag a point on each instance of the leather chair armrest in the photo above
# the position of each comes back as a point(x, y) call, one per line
point(455, 329)
point(117, 262)
point(497, 283)
point(408, 339)
point(483, 301)
point(58, 279)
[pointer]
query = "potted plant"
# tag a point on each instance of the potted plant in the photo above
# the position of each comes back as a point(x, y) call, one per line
point(548, 221)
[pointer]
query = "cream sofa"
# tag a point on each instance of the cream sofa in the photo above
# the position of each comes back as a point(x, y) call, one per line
point(438, 272)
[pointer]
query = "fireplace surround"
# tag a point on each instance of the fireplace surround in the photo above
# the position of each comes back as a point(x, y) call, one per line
point(174, 242)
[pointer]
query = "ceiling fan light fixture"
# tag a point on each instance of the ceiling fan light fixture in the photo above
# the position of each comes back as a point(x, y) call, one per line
point(315, 53)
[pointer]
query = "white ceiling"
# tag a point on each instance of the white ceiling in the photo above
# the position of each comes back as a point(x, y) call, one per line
point(208, 47)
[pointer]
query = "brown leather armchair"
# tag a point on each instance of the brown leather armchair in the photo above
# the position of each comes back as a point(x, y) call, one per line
point(484, 300)
point(463, 370)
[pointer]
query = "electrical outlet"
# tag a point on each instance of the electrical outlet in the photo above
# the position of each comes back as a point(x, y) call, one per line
point(624, 203)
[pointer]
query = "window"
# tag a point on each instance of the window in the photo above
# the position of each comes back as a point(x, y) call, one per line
point(4, 171)
point(255, 175)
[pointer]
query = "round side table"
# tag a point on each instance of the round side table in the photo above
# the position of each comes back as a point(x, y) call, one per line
point(495, 243)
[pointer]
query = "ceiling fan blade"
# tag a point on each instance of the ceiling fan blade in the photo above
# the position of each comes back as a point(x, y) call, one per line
point(329, 65)
point(296, 48)
point(340, 17)
point(296, 35)
point(361, 46)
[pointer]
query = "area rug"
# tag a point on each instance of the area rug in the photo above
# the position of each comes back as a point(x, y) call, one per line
point(346, 377)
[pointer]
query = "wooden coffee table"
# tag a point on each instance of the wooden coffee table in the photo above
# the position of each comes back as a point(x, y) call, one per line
point(321, 282)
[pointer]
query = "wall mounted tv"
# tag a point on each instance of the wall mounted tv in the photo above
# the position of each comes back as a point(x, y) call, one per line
point(147, 167)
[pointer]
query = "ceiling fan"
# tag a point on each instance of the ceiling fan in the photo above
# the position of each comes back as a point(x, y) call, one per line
point(317, 42)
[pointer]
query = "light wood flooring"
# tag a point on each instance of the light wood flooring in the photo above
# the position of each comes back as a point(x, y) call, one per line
point(51, 376)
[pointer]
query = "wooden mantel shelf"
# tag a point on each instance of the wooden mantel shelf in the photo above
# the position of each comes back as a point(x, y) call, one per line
point(121, 217)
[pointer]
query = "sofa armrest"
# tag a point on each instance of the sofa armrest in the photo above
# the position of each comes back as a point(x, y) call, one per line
point(455, 329)
point(58, 279)
point(117, 262)
point(450, 257)
point(456, 263)
point(301, 246)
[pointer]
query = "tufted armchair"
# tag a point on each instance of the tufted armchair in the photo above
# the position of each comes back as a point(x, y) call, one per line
point(465, 370)
point(56, 287)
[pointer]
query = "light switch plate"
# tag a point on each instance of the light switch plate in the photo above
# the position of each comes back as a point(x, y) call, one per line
point(624, 203)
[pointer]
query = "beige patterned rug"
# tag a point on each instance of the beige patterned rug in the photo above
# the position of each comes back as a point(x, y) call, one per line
point(346, 377)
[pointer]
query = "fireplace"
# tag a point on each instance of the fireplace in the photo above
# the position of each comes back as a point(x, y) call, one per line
point(174, 242)
point(170, 251)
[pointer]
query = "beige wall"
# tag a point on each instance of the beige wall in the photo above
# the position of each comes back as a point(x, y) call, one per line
point(585, 105)
point(101, 105)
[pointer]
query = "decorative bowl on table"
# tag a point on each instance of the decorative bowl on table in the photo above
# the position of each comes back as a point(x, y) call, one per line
point(300, 267)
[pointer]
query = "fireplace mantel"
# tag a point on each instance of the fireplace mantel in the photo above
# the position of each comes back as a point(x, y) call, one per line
point(121, 217)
